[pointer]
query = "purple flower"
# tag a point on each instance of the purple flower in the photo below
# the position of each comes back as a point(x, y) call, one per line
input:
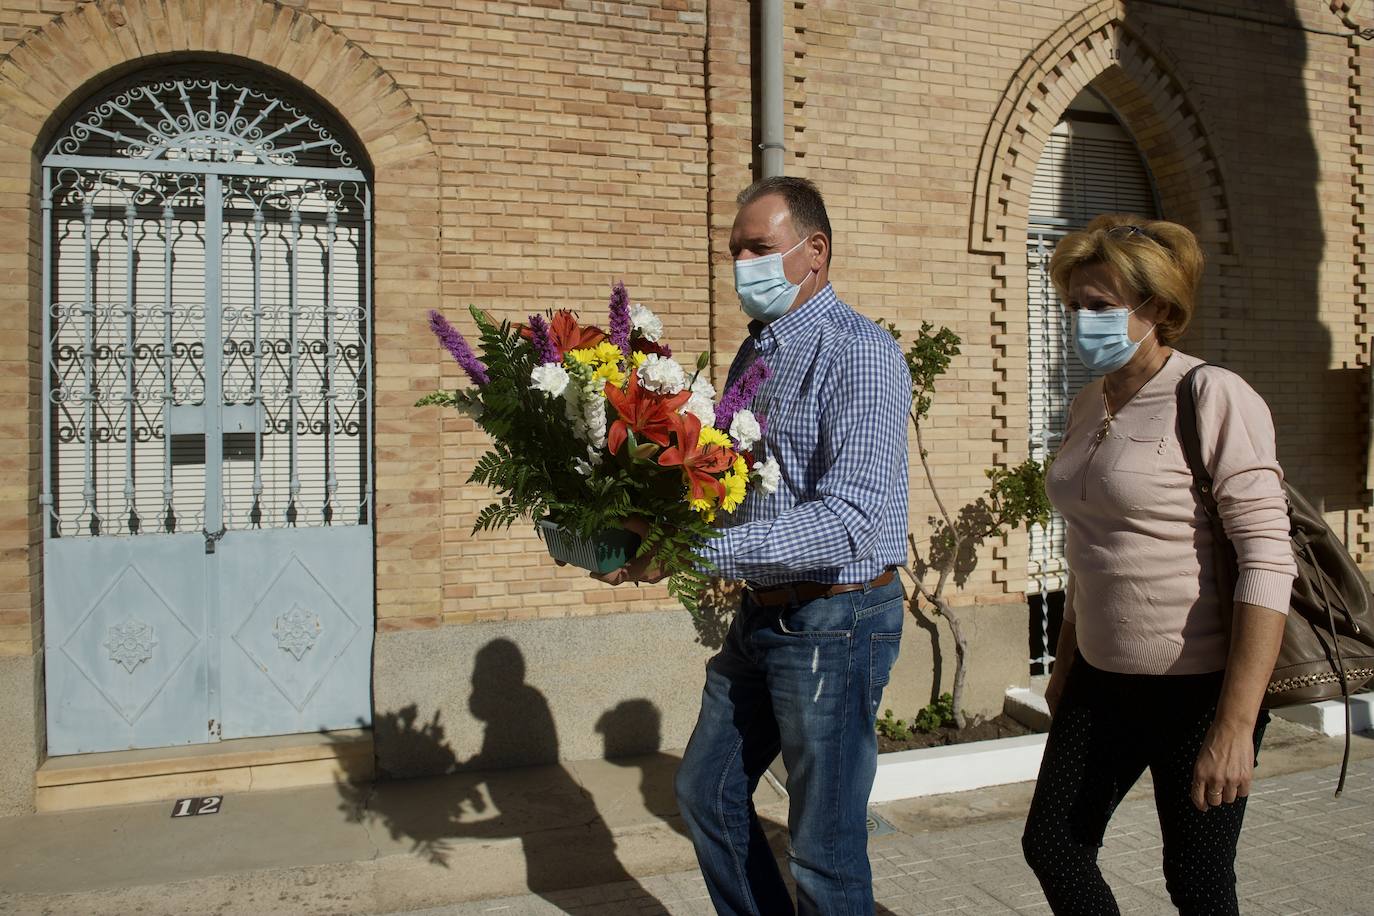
point(544, 349)
point(741, 394)
point(458, 347)
point(620, 318)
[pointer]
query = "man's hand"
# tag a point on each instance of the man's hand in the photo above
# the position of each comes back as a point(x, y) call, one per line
point(640, 569)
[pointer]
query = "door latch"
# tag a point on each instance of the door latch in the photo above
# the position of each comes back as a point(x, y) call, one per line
point(211, 538)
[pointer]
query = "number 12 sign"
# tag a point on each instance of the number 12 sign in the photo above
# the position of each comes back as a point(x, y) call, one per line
point(190, 807)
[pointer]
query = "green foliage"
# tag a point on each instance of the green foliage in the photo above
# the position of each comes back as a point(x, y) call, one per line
point(927, 359)
point(936, 715)
point(1018, 495)
point(891, 728)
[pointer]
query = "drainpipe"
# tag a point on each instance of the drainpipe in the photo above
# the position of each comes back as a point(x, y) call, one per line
point(770, 85)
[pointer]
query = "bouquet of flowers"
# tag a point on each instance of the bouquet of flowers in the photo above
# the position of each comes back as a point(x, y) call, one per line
point(590, 428)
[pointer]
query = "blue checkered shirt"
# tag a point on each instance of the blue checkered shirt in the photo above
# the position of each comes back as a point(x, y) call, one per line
point(836, 406)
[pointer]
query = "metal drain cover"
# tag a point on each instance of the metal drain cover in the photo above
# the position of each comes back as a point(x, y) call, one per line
point(877, 826)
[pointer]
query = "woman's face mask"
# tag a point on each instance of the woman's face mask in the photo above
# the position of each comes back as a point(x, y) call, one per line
point(764, 291)
point(1102, 339)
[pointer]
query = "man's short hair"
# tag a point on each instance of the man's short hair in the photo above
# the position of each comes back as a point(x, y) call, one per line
point(805, 205)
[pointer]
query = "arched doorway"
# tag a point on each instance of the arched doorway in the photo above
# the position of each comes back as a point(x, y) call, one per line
point(207, 475)
point(1089, 165)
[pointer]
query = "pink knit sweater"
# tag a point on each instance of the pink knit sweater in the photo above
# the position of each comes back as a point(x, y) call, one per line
point(1142, 593)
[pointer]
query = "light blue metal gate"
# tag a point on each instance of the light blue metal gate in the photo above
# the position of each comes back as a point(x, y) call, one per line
point(207, 426)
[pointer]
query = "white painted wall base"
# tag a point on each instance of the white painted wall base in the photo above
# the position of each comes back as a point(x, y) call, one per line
point(957, 768)
point(1328, 717)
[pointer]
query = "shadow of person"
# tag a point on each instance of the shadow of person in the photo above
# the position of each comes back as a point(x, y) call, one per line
point(632, 737)
point(565, 842)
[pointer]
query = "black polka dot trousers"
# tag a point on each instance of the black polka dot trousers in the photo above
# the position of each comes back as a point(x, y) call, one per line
point(1108, 729)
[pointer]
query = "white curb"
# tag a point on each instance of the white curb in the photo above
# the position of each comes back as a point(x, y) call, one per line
point(957, 767)
point(1328, 717)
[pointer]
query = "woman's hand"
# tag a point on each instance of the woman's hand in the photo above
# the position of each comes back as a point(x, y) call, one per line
point(1225, 765)
point(1226, 762)
point(1064, 652)
point(1054, 692)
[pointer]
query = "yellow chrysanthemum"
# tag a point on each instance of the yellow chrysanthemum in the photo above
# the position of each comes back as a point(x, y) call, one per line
point(585, 357)
point(712, 436)
point(639, 358)
point(610, 372)
point(735, 486)
point(740, 469)
point(607, 352)
point(705, 507)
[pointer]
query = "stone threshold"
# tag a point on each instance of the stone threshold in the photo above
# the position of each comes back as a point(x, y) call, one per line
point(237, 765)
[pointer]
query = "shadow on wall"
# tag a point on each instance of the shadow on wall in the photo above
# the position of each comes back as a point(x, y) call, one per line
point(1264, 321)
point(718, 606)
point(566, 841)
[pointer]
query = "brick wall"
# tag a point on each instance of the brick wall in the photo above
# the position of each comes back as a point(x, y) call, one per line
point(529, 154)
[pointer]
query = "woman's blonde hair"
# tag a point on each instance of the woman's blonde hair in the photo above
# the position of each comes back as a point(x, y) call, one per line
point(1154, 257)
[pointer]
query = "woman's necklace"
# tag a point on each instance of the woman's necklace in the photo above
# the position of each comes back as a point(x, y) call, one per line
point(1107, 405)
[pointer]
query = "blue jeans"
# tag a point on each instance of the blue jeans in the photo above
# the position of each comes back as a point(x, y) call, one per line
point(804, 680)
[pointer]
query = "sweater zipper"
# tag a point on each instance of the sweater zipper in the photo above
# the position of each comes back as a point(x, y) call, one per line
point(1092, 453)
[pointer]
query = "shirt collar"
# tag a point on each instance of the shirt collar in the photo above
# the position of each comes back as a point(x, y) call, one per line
point(796, 323)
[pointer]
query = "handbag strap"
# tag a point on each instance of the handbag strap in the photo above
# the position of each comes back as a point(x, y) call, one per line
point(1191, 441)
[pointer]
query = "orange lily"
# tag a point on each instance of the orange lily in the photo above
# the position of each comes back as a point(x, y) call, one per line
point(699, 463)
point(567, 334)
point(648, 414)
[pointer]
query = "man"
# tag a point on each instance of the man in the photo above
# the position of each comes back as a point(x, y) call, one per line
point(806, 658)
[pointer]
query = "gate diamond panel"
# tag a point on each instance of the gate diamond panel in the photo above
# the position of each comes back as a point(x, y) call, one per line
point(300, 633)
point(296, 617)
point(127, 664)
point(130, 644)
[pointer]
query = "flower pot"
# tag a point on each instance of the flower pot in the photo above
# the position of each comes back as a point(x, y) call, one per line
point(607, 551)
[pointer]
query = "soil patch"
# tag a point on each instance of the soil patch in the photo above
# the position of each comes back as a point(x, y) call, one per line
point(1003, 726)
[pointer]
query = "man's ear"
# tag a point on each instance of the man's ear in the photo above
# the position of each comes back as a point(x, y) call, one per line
point(819, 247)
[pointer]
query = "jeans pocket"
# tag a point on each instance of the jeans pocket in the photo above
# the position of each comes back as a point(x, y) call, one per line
point(824, 618)
point(882, 655)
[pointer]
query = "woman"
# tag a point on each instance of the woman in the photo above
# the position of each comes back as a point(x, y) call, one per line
point(1155, 668)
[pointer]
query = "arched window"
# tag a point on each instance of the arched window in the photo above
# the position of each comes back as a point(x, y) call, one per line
point(1090, 165)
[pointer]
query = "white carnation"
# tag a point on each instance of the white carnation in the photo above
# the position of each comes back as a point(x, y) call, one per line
point(703, 408)
point(645, 322)
point(703, 387)
point(550, 378)
point(745, 430)
point(662, 375)
point(582, 467)
point(770, 475)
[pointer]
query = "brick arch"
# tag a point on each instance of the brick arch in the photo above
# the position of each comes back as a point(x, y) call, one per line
point(1096, 47)
point(58, 66)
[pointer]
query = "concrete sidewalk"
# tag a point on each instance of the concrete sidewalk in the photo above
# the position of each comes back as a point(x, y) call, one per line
point(604, 837)
point(1302, 852)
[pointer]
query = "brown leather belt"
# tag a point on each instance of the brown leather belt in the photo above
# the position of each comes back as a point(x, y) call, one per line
point(802, 592)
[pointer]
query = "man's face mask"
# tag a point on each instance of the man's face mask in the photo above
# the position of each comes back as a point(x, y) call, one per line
point(764, 291)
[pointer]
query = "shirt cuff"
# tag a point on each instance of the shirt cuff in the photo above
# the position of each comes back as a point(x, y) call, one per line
point(1265, 588)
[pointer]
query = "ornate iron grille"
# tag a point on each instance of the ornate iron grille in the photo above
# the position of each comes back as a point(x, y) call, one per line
point(207, 314)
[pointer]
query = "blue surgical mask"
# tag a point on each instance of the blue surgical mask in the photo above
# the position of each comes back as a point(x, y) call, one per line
point(1101, 338)
point(765, 293)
